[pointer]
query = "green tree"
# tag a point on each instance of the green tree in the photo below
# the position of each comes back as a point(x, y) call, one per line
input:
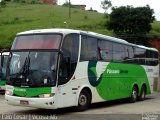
point(67, 4)
point(106, 4)
point(3, 3)
point(131, 23)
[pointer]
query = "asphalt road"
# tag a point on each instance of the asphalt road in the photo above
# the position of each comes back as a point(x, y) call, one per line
point(112, 110)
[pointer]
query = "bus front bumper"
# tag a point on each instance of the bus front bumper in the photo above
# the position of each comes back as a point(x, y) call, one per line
point(45, 103)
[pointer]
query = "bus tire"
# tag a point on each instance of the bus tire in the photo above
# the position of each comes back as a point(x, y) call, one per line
point(84, 100)
point(142, 94)
point(134, 94)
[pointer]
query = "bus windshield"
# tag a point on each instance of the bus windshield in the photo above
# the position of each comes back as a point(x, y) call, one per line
point(32, 68)
point(3, 66)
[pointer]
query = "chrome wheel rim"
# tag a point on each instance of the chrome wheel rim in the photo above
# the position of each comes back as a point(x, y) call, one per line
point(143, 94)
point(134, 94)
point(82, 100)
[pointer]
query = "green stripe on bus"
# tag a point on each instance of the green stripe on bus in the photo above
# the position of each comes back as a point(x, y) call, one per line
point(2, 82)
point(118, 79)
point(31, 92)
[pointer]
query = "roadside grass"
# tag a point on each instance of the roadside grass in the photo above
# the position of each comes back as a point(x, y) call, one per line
point(21, 17)
point(17, 17)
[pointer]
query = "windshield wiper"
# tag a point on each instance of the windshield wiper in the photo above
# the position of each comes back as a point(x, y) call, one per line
point(26, 67)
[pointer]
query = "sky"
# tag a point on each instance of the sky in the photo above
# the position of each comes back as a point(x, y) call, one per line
point(96, 4)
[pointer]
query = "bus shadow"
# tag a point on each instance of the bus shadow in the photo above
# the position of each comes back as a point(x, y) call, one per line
point(114, 103)
point(61, 111)
point(71, 110)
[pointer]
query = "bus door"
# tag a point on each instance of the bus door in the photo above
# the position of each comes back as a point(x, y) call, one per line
point(67, 86)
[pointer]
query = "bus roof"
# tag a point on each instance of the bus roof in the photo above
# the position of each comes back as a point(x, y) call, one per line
point(52, 30)
point(67, 31)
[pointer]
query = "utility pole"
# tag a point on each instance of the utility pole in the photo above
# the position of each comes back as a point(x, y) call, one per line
point(69, 9)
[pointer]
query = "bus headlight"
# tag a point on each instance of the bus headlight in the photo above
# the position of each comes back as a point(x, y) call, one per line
point(8, 92)
point(46, 95)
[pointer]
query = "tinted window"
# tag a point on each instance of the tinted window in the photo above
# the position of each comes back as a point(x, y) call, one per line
point(129, 53)
point(154, 54)
point(151, 58)
point(119, 52)
point(45, 41)
point(140, 55)
point(105, 50)
point(70, 49)
point(151, 54)
point(88, 48)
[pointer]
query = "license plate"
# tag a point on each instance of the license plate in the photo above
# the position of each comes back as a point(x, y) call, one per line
point(24, 102)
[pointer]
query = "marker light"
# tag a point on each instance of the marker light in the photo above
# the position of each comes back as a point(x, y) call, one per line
point(46, 95)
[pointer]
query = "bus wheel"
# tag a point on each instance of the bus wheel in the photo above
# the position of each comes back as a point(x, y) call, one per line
point(143, 94)
point(84, 100)
point(134, 94)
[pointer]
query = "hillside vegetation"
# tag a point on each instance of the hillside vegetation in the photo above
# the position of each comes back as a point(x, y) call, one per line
point(15, 18)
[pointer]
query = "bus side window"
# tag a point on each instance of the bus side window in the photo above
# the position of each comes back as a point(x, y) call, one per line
point(64, 71)
point(105, 50)
point(129, 54)
point(151, 58)
point(88, 48)
point(118, 52)
point(140, 55)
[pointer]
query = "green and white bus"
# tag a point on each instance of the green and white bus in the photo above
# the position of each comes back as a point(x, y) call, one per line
point(3, 65)
point(57, 68)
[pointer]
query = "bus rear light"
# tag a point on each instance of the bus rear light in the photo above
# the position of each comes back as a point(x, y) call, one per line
point(46, 95)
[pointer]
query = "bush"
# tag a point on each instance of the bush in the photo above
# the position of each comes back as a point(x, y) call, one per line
point(23, 1)
point(33, 2)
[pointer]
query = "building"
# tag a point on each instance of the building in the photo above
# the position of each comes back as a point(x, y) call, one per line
point(82, 7)
point(50, 2)
point(155, 43)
